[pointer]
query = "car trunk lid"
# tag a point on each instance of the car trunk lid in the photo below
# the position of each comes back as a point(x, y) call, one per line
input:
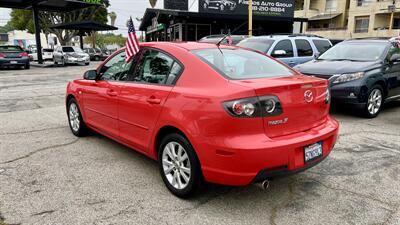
point(11, 54)
point(302, 99)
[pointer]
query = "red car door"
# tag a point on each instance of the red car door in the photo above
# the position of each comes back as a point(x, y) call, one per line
point(100, 97)
point(141, 99)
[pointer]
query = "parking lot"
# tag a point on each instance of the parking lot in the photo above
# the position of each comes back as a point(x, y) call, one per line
point(48, 176)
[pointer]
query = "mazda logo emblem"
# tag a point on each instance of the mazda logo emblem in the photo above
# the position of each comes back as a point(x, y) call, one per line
point(308, 96)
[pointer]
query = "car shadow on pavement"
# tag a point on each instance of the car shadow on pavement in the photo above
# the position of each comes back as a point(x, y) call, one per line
point(345, 110)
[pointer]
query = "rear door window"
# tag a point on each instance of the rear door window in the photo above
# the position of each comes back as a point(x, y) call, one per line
point(303, 48)
point(322, 45)
point(283, 49)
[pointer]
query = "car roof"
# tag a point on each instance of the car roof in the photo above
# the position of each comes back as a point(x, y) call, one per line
point(286, 36)
point(189, 46)
point(376, 40)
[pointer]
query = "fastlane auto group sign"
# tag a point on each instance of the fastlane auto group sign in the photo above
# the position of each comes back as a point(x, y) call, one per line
point(277, 8)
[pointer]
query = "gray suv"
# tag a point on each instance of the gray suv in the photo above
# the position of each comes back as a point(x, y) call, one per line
point(292, 49)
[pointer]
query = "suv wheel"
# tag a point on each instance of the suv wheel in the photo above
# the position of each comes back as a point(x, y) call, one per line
point(96, 58)
point(375, 102)
point(179, 167)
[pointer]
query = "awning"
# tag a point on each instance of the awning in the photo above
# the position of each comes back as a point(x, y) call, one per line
point(324, 16)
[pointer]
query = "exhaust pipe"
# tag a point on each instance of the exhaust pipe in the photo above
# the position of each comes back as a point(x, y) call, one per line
point(263, 185)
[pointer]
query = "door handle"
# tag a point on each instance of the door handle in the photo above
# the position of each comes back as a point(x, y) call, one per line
point(154, 100)
point(112, 93)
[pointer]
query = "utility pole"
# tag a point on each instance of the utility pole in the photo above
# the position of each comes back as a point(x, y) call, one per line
point(392, 9)
point(250, 18)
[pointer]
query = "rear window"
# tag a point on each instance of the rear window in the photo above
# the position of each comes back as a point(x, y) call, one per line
point(322, 45)
point(262, 45)
point(241, 64)
point(10, 49)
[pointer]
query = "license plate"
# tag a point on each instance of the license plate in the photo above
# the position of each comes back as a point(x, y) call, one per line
point(13, 62)
point(313, 151)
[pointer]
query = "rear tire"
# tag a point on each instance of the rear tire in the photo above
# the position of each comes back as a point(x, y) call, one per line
point(55, 61)
point(27, 66)
point(375, 100)
point(179, 166)
point(75, 120)
point(96, 58)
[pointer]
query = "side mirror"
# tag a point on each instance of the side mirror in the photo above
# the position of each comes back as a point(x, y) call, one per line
point(316, 55)
point(279, 53)
point(90, 75)
point(395, 58)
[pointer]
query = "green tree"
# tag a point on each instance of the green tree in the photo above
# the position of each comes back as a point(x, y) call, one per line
point(23, 20)
point(6, 28)
point(102, 40)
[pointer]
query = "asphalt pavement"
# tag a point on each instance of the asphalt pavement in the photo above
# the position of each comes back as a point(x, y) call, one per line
point(49, 176)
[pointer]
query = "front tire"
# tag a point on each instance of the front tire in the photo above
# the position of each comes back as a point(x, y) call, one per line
point(179, 166)
point(75, 120)
point(375, 101)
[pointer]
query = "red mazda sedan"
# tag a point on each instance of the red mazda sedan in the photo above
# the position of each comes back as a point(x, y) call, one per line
point(224, 115)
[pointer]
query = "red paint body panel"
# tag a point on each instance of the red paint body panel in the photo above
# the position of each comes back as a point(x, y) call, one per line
point(231, 150)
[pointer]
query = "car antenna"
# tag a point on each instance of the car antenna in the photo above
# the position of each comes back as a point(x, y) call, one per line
point(229, 34)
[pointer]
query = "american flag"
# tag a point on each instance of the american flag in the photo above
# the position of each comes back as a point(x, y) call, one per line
point(132, 44)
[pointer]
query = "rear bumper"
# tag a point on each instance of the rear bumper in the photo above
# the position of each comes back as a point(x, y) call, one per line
point(259, 157)
point(14, 62)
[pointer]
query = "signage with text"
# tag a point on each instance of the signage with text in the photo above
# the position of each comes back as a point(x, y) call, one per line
point(176, 4)
point(275, 8)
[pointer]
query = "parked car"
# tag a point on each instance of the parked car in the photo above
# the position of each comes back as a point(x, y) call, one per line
point(242, 121)
point(291, 49)
point(234, 39)
point(363, 73)
point(47, 54)
point(13, 56)
point(70, 55)
point(221, 5)
point(94, 53)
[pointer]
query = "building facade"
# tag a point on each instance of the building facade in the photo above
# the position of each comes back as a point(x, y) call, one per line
point(343, 19)
point(195, 19)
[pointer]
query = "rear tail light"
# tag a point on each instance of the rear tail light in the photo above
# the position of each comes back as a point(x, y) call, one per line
point(2, 55)
point(23, 54)
point(254, 107)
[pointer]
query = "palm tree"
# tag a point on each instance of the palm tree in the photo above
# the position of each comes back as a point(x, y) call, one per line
point(113, 17)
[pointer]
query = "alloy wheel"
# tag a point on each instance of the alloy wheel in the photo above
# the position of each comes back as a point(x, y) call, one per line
point(176, 165)
point(74, 117)
point(375, 101)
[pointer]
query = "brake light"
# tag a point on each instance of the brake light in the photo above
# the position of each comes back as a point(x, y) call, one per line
point(254, 107)
point(23, 54)
point(2, 55)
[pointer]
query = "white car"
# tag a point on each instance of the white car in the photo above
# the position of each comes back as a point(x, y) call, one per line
point(47, 54)
point(70, 55)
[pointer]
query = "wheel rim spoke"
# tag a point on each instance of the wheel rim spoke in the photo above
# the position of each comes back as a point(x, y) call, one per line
point(74, 117)
point(176, 165)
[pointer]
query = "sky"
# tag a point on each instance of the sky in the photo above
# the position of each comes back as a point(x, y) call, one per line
point(123, 9)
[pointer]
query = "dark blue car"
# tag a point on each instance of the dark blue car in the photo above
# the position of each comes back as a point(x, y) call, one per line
point(364, 73)
point(13, 56)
